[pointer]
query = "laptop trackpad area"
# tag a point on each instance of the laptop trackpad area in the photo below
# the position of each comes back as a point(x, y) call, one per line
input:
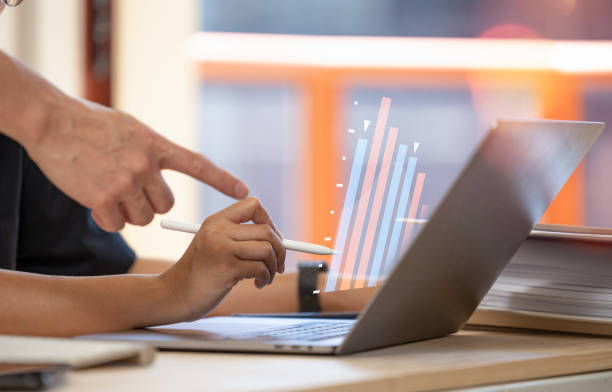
point(248, 328)
point(222, 327)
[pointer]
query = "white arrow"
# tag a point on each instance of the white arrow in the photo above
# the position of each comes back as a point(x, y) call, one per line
point(366, 124)
point(416, 146)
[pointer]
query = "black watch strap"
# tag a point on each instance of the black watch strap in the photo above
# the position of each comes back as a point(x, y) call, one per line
point(307, 285)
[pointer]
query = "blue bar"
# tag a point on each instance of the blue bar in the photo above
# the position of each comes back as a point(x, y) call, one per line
point(347, 212)
point(385, 226)
point(401, 213)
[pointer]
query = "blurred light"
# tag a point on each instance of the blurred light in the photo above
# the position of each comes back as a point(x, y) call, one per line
point(582, 57)
point(403, 53)
point(567, 6)
point(509, 30)
point(488, 102)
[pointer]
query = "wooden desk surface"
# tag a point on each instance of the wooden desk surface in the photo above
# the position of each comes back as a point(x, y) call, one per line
point(469, 358)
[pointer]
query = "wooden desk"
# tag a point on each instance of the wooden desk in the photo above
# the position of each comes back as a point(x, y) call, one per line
point(466, 359)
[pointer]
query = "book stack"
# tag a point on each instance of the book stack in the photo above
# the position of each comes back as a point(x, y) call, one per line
point(559, 280)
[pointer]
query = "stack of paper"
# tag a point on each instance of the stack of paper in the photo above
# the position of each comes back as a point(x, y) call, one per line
point(561, 273)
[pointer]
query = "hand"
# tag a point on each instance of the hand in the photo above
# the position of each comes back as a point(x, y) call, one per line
point(110, 162)
point(224, 252)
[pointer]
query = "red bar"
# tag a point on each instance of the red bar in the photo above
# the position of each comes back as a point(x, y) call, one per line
point(381, 186)
point(414, 207)
point(366, 191)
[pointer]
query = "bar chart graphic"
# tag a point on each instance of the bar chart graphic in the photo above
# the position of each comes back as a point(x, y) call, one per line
point(382, 188)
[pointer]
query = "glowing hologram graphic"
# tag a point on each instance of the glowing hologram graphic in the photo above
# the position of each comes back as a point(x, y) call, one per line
point(327, 239)
point(366, 191)
point(343, 158)
point(355, 103)
point(424, 212)
point(417, 221)
point(351, 130)
point(414, 207)
point(339, 185)
point(401, 211)
point(332, 212)
point(366, 124)
point(386, 224)
point(347, 211)
point(373, 220)
point(415, 146)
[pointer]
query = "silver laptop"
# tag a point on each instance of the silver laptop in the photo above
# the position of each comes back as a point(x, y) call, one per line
point(436, 284)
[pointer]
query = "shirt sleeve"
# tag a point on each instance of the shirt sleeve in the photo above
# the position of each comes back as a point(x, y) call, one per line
point(57, 236)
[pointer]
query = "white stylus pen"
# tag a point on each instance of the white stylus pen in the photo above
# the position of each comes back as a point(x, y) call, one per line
point(288, 244)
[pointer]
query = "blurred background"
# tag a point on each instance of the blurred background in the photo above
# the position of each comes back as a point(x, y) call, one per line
point(271, 89)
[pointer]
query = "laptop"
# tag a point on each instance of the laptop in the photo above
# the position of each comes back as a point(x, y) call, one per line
point(436, 284)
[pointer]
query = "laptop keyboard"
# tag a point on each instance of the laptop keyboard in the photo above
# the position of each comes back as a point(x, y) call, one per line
point(305, 331)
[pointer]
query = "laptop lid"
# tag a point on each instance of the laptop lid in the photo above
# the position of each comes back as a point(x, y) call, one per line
point(479, 224)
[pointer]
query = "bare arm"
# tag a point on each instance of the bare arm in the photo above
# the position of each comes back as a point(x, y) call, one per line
point(104, 159)
point(282, 297)
point(279, 297)
point(25, 100)
point(223, 253)
point(63, 306)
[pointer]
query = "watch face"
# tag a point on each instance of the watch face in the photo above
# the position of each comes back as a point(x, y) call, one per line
point(308, 289)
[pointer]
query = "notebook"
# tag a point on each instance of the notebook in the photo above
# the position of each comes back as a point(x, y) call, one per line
point(79, 353)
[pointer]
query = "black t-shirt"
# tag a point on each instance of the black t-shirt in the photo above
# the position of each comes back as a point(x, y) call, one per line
point(44, 231)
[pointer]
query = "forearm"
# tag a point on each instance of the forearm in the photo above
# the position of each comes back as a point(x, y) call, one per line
point(282, 297)
point(26, 100)
point(279, 297)
point(64, 306)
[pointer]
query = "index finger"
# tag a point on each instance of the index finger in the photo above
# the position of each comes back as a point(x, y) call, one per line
point(199, 167)
point(248, 210)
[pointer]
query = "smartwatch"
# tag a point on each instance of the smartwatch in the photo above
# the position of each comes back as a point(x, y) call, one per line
point(308, 294)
